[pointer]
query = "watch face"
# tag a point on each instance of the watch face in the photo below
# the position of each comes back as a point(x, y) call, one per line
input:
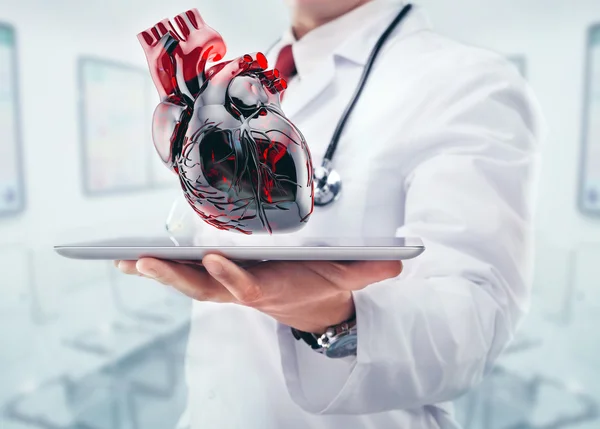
point(345, 346)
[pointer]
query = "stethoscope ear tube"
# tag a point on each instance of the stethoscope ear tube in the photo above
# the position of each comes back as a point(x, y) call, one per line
point(328, 183)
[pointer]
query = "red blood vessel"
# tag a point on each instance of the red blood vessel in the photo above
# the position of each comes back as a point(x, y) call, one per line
point(242, 165)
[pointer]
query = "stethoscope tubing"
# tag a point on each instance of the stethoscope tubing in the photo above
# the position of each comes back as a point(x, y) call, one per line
point(328, 182)
point(328, 158)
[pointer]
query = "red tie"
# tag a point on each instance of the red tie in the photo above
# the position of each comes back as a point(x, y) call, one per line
point(285, 63)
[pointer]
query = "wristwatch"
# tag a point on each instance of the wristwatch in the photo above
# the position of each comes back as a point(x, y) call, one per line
point(338, 341)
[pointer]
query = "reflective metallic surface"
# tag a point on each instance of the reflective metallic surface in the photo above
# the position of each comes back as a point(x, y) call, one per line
point(243, 166)
point(328, 186)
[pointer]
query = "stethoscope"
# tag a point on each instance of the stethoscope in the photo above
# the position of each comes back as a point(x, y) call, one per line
point(328, 183)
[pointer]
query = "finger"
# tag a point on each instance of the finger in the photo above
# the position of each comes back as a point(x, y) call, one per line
point(188, 262)
point(239, 282)
point(189, 280)
point(357, 275)
point(244, 263)
point(128, 267)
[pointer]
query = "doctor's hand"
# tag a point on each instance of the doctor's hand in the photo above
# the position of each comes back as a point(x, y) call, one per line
point(307, 295)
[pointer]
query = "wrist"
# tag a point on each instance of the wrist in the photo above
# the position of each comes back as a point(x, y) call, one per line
point(336, 336)
point(339, 310)
point(337, 341)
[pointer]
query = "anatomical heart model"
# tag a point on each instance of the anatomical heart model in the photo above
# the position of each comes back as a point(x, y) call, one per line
point(242, 165)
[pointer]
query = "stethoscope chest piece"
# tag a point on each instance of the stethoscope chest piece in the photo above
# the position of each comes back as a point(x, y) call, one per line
point(328, 185)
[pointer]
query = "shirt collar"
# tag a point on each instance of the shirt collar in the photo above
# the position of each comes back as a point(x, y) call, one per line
point(347, 36)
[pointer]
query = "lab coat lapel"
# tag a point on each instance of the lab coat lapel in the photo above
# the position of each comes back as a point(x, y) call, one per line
point(309, 87)
point(358, 47)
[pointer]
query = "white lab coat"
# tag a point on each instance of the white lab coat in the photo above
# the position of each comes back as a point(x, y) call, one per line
point(442, 146)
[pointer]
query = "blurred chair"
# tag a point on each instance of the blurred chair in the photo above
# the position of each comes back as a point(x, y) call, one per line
point(28, 346)
point(18, 305)
point(75, 322)
point(98, 402)
point(159, 400)
point(33, 358)
point(137, 312)
point(146, 300)
point(122, 394)
point(95, 309)
point(507, 400)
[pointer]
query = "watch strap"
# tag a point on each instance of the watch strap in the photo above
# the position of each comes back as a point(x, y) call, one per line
point(311, 339)
point(320, 343)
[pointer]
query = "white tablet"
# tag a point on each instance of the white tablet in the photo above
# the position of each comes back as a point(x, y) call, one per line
point(251, 248)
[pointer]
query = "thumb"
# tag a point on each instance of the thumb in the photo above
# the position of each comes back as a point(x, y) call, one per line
point(365, 273)
point(239, 282)
point(357, 275)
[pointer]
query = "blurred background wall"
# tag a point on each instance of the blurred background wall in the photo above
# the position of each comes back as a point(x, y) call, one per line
point(80, 344)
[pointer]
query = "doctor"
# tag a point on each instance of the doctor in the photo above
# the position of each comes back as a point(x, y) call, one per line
point(441, 144)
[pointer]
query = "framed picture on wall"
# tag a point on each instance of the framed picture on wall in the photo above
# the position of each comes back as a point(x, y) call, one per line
point(115, 122)
point(589, 181)
point(12, 199)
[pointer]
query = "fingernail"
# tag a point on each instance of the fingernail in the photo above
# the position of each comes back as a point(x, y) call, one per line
point(213, 267)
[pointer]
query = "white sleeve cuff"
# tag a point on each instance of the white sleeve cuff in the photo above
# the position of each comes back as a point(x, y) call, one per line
point(316, 383)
